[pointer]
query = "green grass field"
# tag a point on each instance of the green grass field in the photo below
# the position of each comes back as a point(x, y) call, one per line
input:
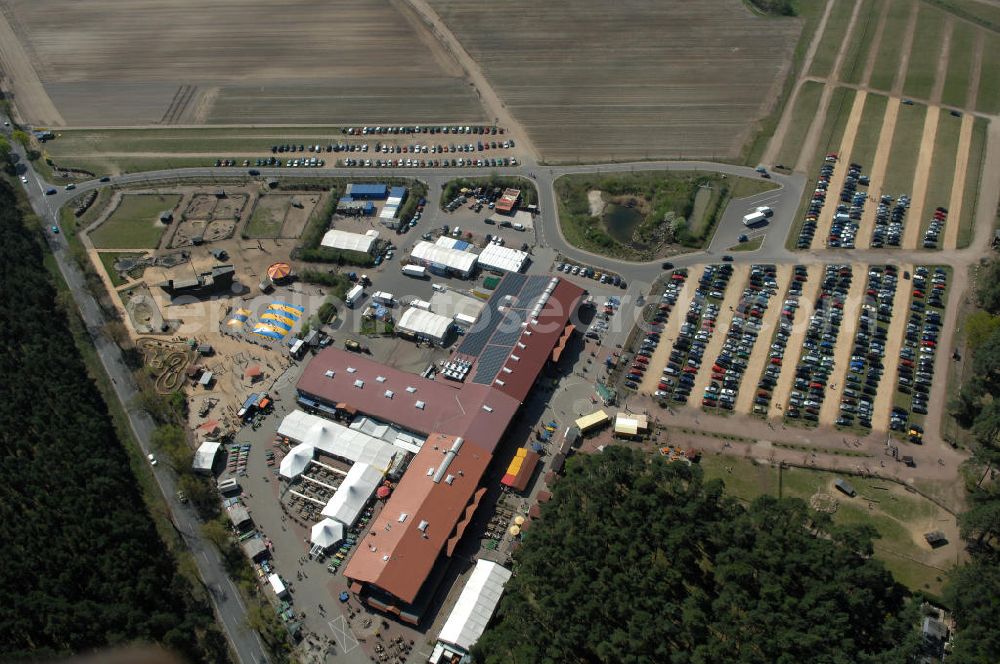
point(752, 245)
point(833, 37)
point(942, 168)
point(962, 53)
point(108, 259)
point(926, 52)
point(861, 42)
point(977, 153)
point(887, 60)
point(267, 219)
point(905, 148)
point(869, 129)
point(893, 512)
point(135, 224)
point(802, 116)
point(989, 90)
point(977, 11)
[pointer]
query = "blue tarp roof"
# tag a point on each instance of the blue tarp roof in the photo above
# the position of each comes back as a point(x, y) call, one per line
point(461, 245)
point(364, 189)
point(397, 191)
point(346, 199)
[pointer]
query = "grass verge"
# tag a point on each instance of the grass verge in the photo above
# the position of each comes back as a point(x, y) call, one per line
point(960, 57)
point(135, 224)
point(926, 52)
point(970, 201)
point(803, 113)
point(832, 39)
point(887, 58)
point(905, 147)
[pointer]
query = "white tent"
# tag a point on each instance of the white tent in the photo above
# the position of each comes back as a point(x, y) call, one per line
point(327, 533)
point(204, 457)
point(459, 261)
point(277, 585)
point(424, 324)
point(496, 257)
point(389, 211)
point(353, 493)
point(336, 239)
point(475, 606)
point(316, 434)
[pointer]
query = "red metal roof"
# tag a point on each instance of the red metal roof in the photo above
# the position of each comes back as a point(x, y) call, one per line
point(508, 200)
point(477, 412)
point(399, 551)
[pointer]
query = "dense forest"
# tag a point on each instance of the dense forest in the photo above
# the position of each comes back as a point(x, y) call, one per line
point(975, 587)
point(638, 560)
point(82, 565)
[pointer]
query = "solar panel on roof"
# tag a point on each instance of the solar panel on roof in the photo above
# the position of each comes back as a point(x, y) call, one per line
point(531, 291)
point(508, 336)
point(490, 362)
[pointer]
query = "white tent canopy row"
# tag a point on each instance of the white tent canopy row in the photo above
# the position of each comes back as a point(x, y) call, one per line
point(497, 257)
point(475, 606)
point(455, 259)
point(337, 239)
point(327, 533)
point(424, 323)
point(353, 493)
point(316, 434)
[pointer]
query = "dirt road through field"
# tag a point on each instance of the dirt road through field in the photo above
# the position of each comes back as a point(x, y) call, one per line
point(830, 409)
point(890, 360)
point(814, 279)
point(911, 232)
point(670, 330)
point(839, 172)
point(32, 102)
point(877, 174)
point(958, 184)
point(726, 311)
point(758, 357)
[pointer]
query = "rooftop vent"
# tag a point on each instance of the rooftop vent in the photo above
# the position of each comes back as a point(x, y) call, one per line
point(351, 370)
point(329, 373)
point(521, 345)
point(359, 383)
point(388, 394)
point(380, 379)
point(420, 405)
point(450, 479)
point(422, 526)
point(515, 358)
point(499, 382)
point(508, 370)
point(402, 516)
point(430, 471)
point(487, 408)
point(411, 389)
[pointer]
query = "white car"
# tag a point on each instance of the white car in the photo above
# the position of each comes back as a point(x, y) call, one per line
point(152, 459)
point(24, 179)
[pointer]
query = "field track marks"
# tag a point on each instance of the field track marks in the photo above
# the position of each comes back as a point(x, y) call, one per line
point(942, 69)
point(726, 312)
point(488, 97)
point(830, 409)
point(866, 76)
point(178, 104)
point(840, 172)
point(793, 351)
point(878, 172)
point(890, 362)
point(778, 138)
point(811, 141)
point(761, 348)
point(958, 184)
point(30, 98)
point(904, 51)
point(921, 175)
point(972, 93)
point(670, 331)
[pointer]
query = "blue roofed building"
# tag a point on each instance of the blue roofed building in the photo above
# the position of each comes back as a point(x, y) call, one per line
point(368, 192)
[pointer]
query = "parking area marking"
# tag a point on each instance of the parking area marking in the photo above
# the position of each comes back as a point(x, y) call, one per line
point(877, 176)
point(825, 220)
point(830, 409)
point(734, 290)
point(658, 360)
point(346, 640)
point(894, 342)
point(958, 183)
point(748, 386)
point(793, 352)
point(911, 233)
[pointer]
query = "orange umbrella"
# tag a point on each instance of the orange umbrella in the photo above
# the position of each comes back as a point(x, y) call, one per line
point(279, 271)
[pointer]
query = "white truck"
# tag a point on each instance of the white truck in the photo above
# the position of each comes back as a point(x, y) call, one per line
point(416, 271)
point(383, 298)
point(353, 295)
point(754, 218)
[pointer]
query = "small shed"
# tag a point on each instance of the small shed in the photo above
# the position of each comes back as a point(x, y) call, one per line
point(206, 379)
point(845, 487)
point(588, 423)
point(204, 457)
point(254, 548)
point(205, 349)
point(631, 426)
point(238, 515)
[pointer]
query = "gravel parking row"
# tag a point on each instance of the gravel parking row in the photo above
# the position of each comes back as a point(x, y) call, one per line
point(847, 219)
point(779, 342)
point(816, 203)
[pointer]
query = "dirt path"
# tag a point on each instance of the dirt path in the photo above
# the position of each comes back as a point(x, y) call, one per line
point(894, 342)
point(876, 42)
point(811, 142)
point(493, 105)
point(662, 353)
point(758, 357)
point(942, 69)
point(778, 137)
point(958, 184)
point(840, 172)
point(830, 409)
point(914, 216)
point(878, 172)
point(33, 105)
point(904, 51)
point(793, 350)
point(726, 311)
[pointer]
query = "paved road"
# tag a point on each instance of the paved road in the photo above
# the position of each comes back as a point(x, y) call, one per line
point(225, 597)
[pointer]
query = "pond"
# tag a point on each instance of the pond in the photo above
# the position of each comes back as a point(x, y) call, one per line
point(621, 222)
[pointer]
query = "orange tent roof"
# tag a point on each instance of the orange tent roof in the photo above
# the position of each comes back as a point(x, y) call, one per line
point(279, 270)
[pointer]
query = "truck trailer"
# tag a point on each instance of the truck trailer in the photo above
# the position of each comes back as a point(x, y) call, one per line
point(383, 298)
point(753, 218)
point(416, 271)
point(354, 295)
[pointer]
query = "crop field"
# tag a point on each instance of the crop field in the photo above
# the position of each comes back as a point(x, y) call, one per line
point(926, 52)
point(960, 58)
point(135, 223)
point(216, 61)
point(594, 80)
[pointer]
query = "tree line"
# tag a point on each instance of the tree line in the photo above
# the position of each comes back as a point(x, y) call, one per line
point(81, 565)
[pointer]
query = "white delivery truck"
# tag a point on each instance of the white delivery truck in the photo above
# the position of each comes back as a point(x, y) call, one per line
point(766, 211)
point(753, 218)
point(383, 298)
point(355, 294)
point(418, 271)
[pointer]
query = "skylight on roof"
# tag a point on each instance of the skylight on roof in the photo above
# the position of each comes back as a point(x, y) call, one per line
point(329, 373)
point(351, 370)
point(402, 516)
point(380, 379)
point(411, 389)
point(388, 394)
point(420, 405)
point(359, 383)
point(422, 526)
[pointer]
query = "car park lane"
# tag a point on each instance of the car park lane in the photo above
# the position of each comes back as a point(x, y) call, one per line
point(758, 358)
point(727, 309)
point(894, 343)
point(669, 332)
point(794, 350)
point(844, 343)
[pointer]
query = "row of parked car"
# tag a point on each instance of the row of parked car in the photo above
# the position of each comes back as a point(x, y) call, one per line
point(933, 232)
point(916, 358)
point(731, 364)
point(427, 163)
point(387, 148)
point(866, 368)
point(817, 202)
point(816, 362)
point(418, 129)
point(600, 325)
point(769, 377)
point(889, 219)
point(668, 300)
point(847, 219)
